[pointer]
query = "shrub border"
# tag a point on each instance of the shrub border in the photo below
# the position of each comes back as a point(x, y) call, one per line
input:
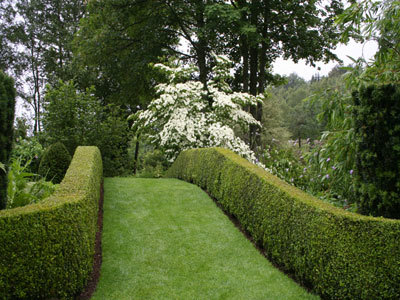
point(340, 255)
point(47, 248)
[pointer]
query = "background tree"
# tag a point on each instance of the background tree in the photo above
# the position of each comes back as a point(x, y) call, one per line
point(303, 118)
point(378, 21)
point(181, 117)
point(78, 118)
point(6, 38)
point(264, 30)
point(254, 34)
point(132, 34)
point(274, 127)
point(40, 34)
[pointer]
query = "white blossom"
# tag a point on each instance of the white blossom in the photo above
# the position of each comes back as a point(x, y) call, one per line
point(181, 117)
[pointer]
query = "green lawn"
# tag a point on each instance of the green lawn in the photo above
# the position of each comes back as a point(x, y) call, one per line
point(166, 239)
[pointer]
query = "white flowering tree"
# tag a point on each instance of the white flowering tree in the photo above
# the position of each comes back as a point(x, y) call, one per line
point(185, 115)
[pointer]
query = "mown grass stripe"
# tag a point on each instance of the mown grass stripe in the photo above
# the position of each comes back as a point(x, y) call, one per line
point(166, 239)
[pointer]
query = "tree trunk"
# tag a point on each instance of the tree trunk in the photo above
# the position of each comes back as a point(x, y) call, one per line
point(39, 99)
point(201, 45)
point(201, 55)
point(244, 52)
point(261, 87)
point(135, 164)
point(245, 57)
point(262, 69)
point(253, 73)
point(244, 48)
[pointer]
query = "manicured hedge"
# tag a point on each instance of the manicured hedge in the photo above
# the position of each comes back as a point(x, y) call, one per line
point(46, 249)
point(340, 255)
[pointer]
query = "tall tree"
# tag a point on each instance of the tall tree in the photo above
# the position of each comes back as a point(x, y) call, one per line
point(60, 23)
point(254, 33)
point(6, 53)
point(265, 30)
point(190, 22)
point(39, 33)
point(78, 118)
point(117, 41)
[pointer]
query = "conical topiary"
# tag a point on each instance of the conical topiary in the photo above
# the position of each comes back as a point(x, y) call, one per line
point(55, 162)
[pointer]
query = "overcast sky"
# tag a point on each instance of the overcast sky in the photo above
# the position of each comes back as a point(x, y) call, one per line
point(353, 49)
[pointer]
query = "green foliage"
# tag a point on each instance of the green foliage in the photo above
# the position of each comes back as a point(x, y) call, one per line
point(377, 133)
point(113, 141)
point(70, 116)
point(6, 51)
point(40, 35)
point(243, 23)
point(309, 169)
point(287, 164)
point(47, 248)
point(154, 164)
point(375, 20)
point(55, 162)
point(7, 110)
point(274, 127)
point(362, 20)
point(79, 118)
point(132, 35)
point(25, 188)
point(28, 150)
point(335, 154)
point(303, 121)
point(301, 103)
point(340, 255)
point(21, 128)
point(318, 115)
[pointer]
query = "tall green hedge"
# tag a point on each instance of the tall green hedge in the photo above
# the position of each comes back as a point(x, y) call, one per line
point(47, 248)
point(377, 128)
point(340, 255)
point(7, 110)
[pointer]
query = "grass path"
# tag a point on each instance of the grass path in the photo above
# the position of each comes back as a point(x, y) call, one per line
point(166, 239)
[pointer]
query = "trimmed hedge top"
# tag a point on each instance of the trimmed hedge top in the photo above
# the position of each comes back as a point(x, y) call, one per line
point(339, 254)
point(47, 248)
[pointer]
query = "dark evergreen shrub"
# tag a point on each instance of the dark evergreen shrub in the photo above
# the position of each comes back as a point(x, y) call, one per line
point(112, 138)
point(377, 126)
point(55, 162)
point(7, 110)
